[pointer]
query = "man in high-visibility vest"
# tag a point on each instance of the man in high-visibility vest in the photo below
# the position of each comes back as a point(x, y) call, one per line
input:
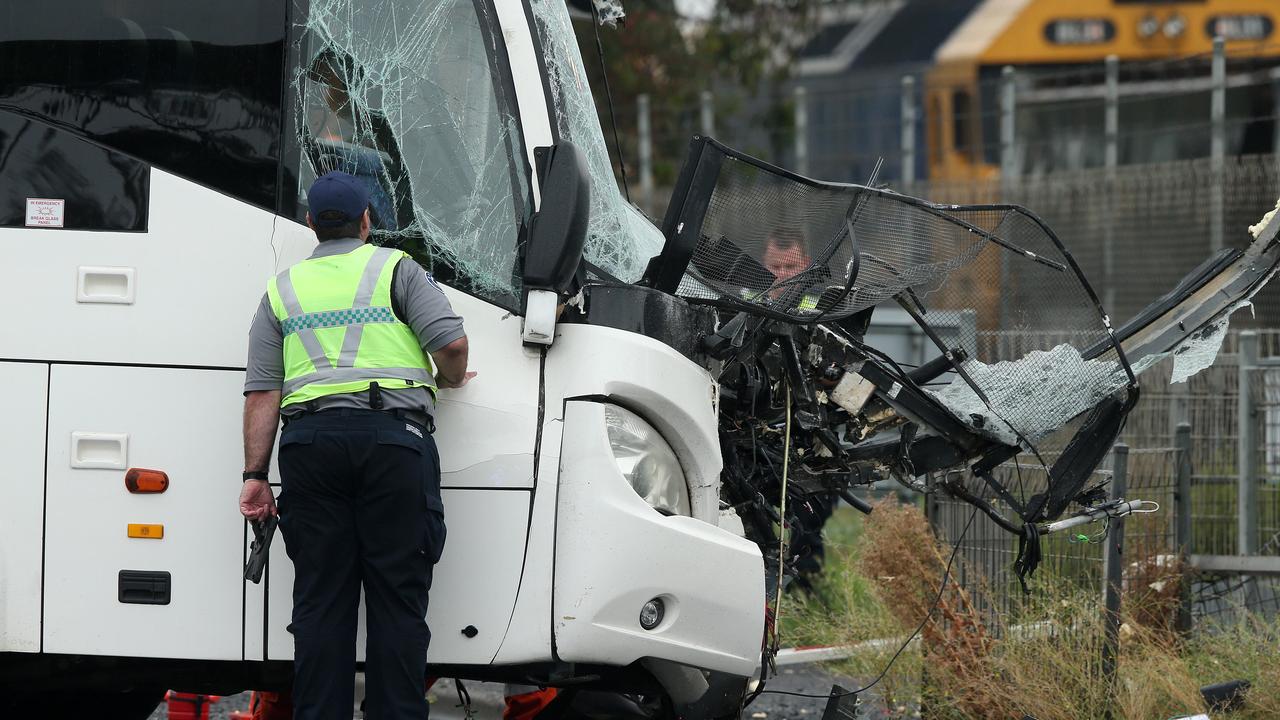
point(349, 347)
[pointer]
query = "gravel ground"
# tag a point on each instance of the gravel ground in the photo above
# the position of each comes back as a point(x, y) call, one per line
point(809, 679)
point(220, 710)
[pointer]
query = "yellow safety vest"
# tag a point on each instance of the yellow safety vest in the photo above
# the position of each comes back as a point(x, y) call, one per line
point(340, 333)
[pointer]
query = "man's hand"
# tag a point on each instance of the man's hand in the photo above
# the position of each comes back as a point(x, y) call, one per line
point(256, 500)
point(443, 382)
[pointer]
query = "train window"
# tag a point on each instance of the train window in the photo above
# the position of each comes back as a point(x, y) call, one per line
point(52, 178)
point(193, 88)
point(962, 120)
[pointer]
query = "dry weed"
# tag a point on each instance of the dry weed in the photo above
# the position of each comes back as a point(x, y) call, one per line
point(1045, 664)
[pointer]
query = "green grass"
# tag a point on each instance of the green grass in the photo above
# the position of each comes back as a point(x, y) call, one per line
point(1051, 673)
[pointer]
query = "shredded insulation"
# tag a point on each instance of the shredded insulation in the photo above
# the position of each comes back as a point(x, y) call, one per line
point(1256, 230)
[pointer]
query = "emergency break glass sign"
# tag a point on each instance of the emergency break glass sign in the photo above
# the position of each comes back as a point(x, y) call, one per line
point(46, 212)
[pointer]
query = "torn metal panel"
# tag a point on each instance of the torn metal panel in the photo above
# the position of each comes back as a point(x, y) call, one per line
point(405, 96)
point(620, 240)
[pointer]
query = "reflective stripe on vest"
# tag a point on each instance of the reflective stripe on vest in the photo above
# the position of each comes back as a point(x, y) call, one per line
point(340, 333)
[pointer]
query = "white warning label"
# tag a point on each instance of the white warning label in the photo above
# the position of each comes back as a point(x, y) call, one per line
point(45, 212)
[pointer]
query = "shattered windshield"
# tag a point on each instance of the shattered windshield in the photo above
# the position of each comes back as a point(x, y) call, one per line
point(620, 240)
point(409, 97)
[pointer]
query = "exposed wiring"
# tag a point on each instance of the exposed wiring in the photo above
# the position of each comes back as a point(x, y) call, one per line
point(613, 119)
point(937, 600)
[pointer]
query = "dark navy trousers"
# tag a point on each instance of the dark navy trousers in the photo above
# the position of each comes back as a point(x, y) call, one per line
point(360, 505)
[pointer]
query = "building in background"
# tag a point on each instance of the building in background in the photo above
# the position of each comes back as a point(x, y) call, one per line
point(852, 70)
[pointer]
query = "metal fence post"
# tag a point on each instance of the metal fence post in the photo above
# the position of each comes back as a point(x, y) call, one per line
point(645, 142)
point(1218, 145)
point(706, 103)
point(1275, 112)
point(1247, 448)
point(802, 130)
point(1112, 129)
point(1112, 571)
point(1182, 519)
point(1008, 128)
point(908, 129)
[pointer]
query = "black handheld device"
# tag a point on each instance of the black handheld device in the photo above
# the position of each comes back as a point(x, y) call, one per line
point(262, 533)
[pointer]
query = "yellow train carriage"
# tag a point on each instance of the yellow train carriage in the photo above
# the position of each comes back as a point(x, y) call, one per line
point(1053, 36)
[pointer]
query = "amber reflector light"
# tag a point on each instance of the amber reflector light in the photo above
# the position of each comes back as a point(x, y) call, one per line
point(141, 480)
point(146, 531)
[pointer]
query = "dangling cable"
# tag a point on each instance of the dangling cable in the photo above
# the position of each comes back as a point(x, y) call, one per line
point(613, 119)
point(782, 523)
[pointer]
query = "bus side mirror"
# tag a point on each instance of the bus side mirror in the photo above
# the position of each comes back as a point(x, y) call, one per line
point(556, 237)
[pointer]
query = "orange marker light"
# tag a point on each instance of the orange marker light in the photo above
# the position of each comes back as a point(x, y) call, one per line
point(147, 532)
point(143, 481)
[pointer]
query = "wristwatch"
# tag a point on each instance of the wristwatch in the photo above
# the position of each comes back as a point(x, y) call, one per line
point(253, 475)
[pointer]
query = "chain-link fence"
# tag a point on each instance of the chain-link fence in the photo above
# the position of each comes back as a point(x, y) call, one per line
point(987, 552)
point(1212, 405)
point(1143, 169)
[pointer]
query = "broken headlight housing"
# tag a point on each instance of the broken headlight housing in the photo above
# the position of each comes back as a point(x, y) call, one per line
point(647, 461)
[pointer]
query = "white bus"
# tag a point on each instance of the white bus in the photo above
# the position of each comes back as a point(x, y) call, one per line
point(153, 162)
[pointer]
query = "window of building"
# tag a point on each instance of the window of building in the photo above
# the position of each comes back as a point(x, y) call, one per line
point(962, 120)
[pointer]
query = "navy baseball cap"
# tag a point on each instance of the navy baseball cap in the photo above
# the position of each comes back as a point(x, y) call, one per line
point(336, 198)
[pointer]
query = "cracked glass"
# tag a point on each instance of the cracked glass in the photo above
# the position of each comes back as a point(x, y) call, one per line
point(620, 240)
point(412, 99)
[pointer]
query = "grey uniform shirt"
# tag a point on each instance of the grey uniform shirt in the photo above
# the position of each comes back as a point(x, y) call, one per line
point(416, 300)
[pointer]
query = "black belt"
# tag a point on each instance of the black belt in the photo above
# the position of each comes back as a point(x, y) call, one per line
point(414, 418)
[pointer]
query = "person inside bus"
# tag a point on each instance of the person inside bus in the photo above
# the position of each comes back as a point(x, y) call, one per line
point(785, 255)
point(344, 136)
point(354, 377)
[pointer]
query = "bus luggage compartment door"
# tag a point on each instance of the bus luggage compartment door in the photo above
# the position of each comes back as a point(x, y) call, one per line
point(144, 575)
point(21, 505)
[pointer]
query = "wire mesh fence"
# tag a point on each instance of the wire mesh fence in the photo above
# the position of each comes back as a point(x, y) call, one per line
point(1143, 169)
point(1136, 231)
point(1211, 404)
point(987, 552)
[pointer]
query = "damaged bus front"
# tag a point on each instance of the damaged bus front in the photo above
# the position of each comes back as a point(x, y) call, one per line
point(166, 149)
point(651, 406)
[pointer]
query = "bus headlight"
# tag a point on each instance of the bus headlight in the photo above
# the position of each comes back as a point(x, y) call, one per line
point(647, 461)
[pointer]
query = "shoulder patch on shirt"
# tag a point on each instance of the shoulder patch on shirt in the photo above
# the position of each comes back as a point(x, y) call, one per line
point(431, 279)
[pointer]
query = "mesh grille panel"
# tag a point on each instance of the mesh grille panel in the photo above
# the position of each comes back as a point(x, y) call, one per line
point(991, 279)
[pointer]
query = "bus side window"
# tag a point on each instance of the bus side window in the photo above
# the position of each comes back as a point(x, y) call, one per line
point(98, 189)
point(192, 88)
